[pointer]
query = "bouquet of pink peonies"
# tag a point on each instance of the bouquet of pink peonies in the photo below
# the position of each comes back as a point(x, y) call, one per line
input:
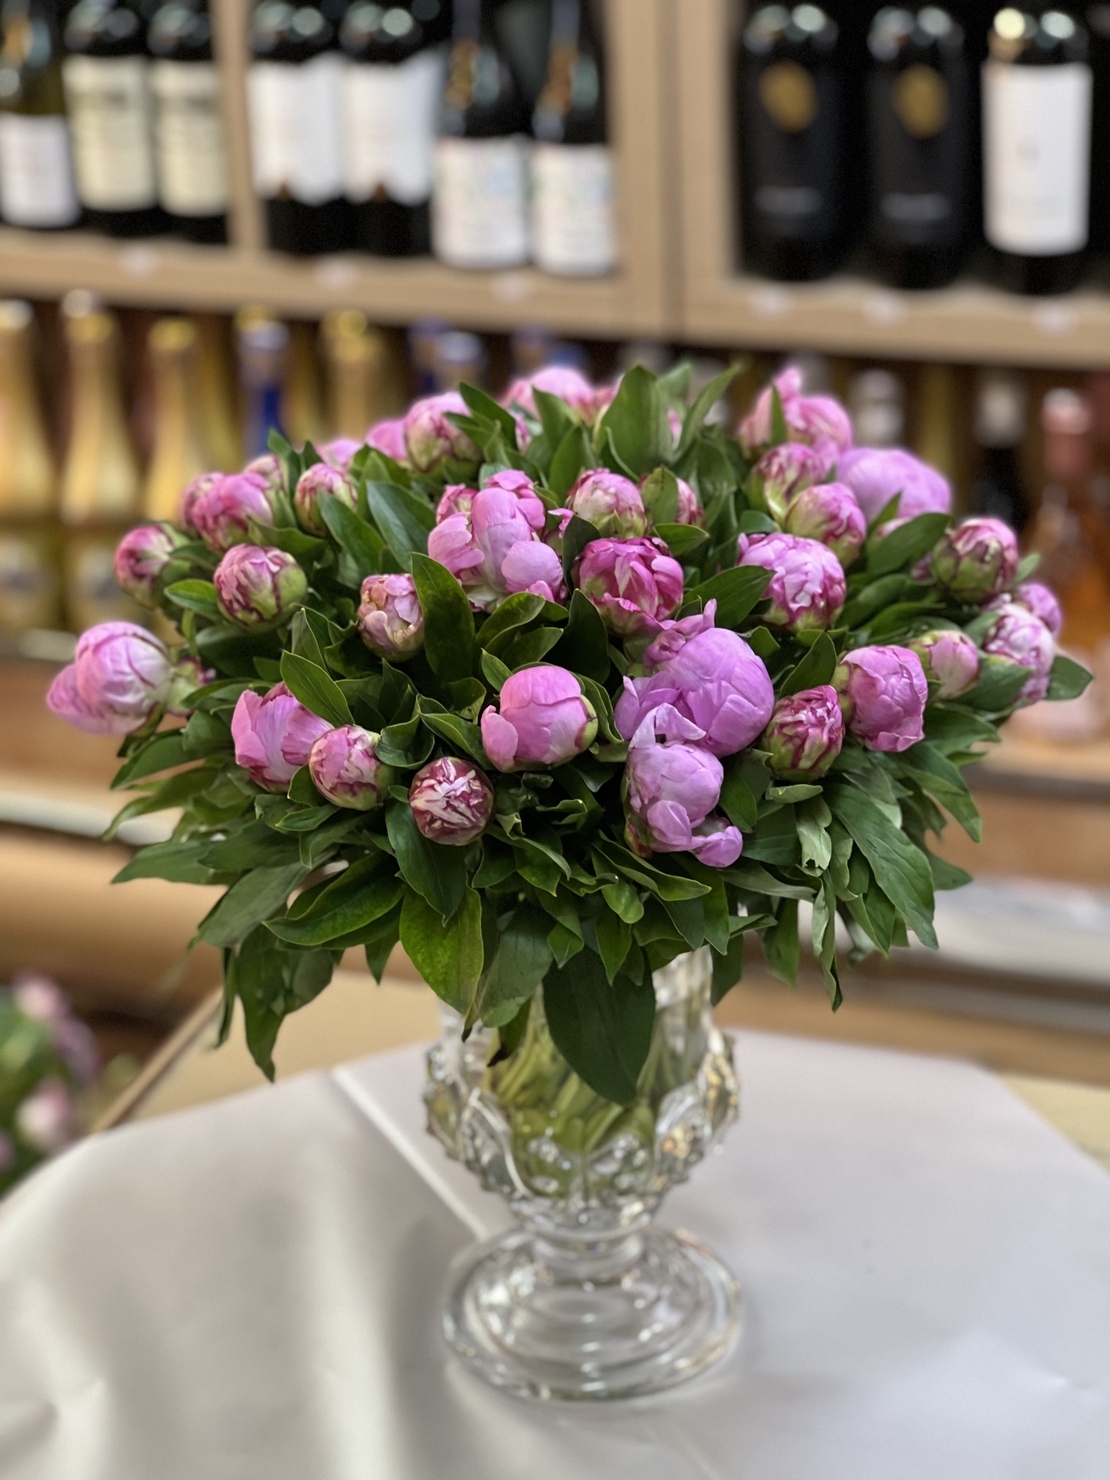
point(554, 690)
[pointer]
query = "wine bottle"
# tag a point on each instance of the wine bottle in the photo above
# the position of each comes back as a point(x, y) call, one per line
point(792, 106)
point(29, 584)
point(1036, 148)
point(294, 97)
point(573, 202)
point(391, 92)
point(216, 391)
point(920, 101)
point(188, 122)
point(1097, 20)
point(480, 205)
point(100, 476)
point(262, 345)
point(936, 419)
point(877, 401)
point(998, 489)
point(107, 91)
point(179, 453)
point(460, 358)
point(361, 383)
point(36, 167)
point(423, 336)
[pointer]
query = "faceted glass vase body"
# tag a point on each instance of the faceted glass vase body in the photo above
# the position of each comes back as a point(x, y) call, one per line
point(585, 1299)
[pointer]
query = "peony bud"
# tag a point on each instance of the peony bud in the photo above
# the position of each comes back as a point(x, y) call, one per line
point(634, 584)
point(883, 694)
point(256, 586)
point(672, 788)
point(222, 516)
point(1040, 601)
point(818, 421)
point(194, 491)
point(828, 513)
point(807, 588)
point(430, 439)
point(274, 734)
point(318, 479)
point(805, 734)
point(451, 801)
point(119, 676)
point(950, 660)
point(1020, 637)
point(389, 437)
point(189, 674)
point(345, 768)
point(45, 1120)
point(610, 503)
point(141, 557)
point(490, 541)
point(544, 720)
point(876, 474)
point(340, 452)
point(977, 560)
point(390, 617)
point(269, 467)
point(568, 384)
point(781, 474)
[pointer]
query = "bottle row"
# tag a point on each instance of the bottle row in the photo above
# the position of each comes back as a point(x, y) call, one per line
point(976, 126)
point(477, 131)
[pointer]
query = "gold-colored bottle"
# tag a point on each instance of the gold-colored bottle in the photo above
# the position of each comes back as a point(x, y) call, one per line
point(360, 375)
point(223, 437)
point(29, 582)
point(302, 414)
point(179, 454)
point(100, 477)
point(936, 420)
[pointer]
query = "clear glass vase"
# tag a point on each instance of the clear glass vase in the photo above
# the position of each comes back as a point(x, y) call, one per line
point(585, 1299)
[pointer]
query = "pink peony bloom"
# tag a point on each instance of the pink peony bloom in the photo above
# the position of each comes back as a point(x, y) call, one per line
point(610, 503)
point(345, 768)
point(950, 660)
point(876, 474)
point(544, 720)
point(222, 515)
point(389, 437)
point(782, 473)
point(430, 439)
point(339, 452)
point(883, 694)
point(270, 468)
point(568, 384)
point(818, 421)
point(390, 617)
point(141, 557)
point(805, 734)
point(451, 801)
point(672, 788)
point(976, 560)
point(490, 541)
point(318, 479)
point(120, 675)
point(807, 589)
point(1020, 637)
point(634, 584)
point(194, 491)
point(256, 586)
point(829, 513)
point(274, 734)
point(1039, 600)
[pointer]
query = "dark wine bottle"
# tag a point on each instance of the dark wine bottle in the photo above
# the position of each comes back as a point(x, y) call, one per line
point(1097, 18)
point(293, 90)
point(999, 432)
point(107, 87)
point(919, 96)
point(1036, 148)
point(391, 91)
point(188, 122)
point(480, 206)
point(36, 168)
point(573, 199)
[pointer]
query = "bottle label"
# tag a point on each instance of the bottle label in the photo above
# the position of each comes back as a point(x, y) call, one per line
point(1036, 157)
point(189, 138)
point(573, 208)
point(296, 129)
point(36, 172)
point(480, 205)
point(109, 111)
point(28, 581)
point(389, 124)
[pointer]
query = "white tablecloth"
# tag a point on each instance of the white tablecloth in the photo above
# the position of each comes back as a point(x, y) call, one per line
point(248, 1291)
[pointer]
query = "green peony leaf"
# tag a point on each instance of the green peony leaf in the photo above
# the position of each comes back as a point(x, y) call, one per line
point(434, 870)
point(1069, 679)
point(195, 596)
point(903, 868)
point(159, 753)
point(257, 895)
point(447, 953)
point(906, 544)
point(815, 669)
point(448, 620)
point(573, 455)
point(315, 688)
point(636, 423)
point(603, 1031)
point(404, 519)
point(735, 591)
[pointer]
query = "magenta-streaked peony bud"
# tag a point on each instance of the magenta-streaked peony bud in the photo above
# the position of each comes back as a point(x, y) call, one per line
point(273, 735)
point(713, 679)
point(673, 784)
point(1020, 637)
point(689, 509)
point(318, 479)
point(345, 768)
point(256, 585)
point(876, 474)
point(120, 675)
point(1039, 600)
point(490, 541)
point(950, 660)
point(976, 560)
point(807, 588)
point(390, 617)
point(805, 734)
point(563, 381)
point(883, 693)
point(782, 473)
point(222, 516)
point(635, 584)
point(141, 557)
point(819, 421)
point(340, 452)
point(610, 503)
point(194, 491)
point(544, 720)
point(389, 437)
point(269, 467)
point(430, 439)
point(829, 513)
point(45, 1120)
point(189, 674)
point(451, 801)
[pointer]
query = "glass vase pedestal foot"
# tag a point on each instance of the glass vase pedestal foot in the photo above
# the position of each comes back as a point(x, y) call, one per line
point(565, 1320)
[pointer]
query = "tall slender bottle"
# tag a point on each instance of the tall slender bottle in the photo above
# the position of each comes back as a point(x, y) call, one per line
point(107, 85)
point(29, 584)
point(792, 107)
point(216, 392)
point(36, 167)
point(574, 228)
point(188, 122)
point(100, 476)
point(877, 401)
point(1036, 148)
point(998, 488)
point(920, 134)
point(294, 93)
point(480, 207)
point(936, 419)
point(360, 381)
point(391, 90)
point(179, 453)
point(262, 345)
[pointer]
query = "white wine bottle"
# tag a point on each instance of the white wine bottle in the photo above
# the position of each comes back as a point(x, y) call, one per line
point(36, 168)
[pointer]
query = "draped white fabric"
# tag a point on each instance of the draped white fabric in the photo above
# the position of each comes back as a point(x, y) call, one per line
point(248, 1291)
